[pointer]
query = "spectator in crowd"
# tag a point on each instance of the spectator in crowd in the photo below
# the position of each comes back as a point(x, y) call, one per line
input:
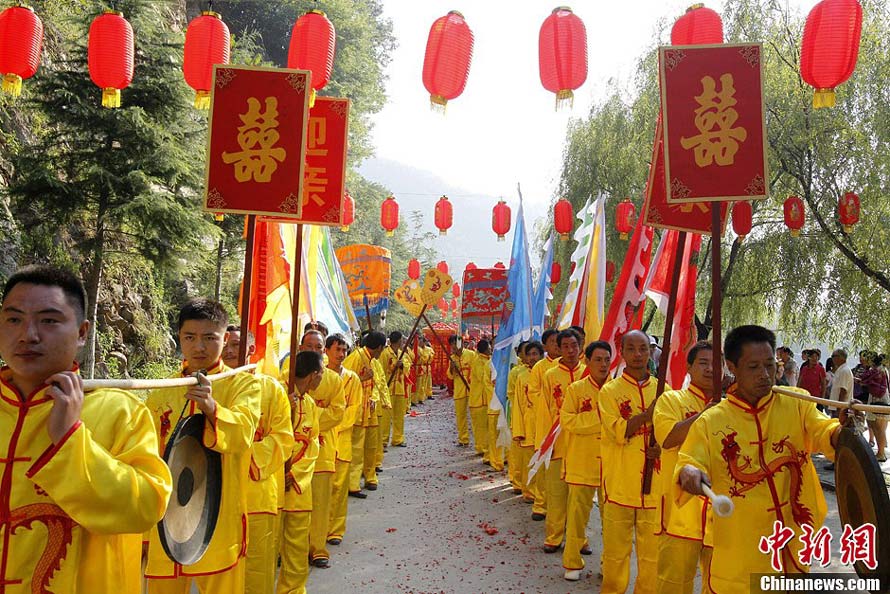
point(786, 357)
point(874, 382)
point(812, 376)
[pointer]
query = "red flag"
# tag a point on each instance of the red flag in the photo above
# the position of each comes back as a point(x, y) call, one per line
point(683, 333)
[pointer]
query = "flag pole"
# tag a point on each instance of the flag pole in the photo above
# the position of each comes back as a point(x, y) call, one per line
point(295, 311)
point(716, 302)
point(246, 287)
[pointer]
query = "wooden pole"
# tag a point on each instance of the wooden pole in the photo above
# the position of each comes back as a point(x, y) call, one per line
point(679, 256)
point(246, 286)
point(405, 346)
point(716, 302)
point(368, 314)
point(295, 311)
point(153, 384)
point(447, 351)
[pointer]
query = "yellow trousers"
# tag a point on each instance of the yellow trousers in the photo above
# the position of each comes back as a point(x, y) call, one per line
point(321, 513)
point(339, 501)
point(511, 465)
point(580, 504)
point(522, 457)
point(621, 527)
point(678, 561)
point(294, 553)
point(557, 504)
point(261, 553)
point(479, 419)
point(538, 489)
point(460, 418)
point(385, 428)
point(358, 458)
point(399, 408)
point(372, 446)
point(226, 582)
point(495, 453)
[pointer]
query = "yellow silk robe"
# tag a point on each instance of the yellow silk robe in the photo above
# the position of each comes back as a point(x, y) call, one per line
point(580, 421)
point(77, 508)
point(331, 402)
point(535, 378)
point(674, 406)
point(760, 458)
point(517, 394)
point(384, 398)
point(481, 385)
point(273, 443)
point(352, 391)
point(237, 414)
point(624, 458)
point(465, 363)
point(359, 362)
point(298, 490)
point(524, 404)
point(554, 385)
point(388, 359)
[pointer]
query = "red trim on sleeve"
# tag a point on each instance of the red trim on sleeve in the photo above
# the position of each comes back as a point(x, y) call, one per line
point(47, 455)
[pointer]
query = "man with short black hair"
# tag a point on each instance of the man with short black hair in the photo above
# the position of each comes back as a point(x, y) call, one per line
point(82, 476)
point(396, 376)
point(460, 366)
point(365, 432)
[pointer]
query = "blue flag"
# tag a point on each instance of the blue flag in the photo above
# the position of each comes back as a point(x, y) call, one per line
point(543, 294)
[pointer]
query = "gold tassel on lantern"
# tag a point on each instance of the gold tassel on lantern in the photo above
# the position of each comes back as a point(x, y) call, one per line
point(202, 100)
point(823, 98)
point(344, 228)
point(218, 216)
point(565, 97)
point(438, 103)
point(12, 84)
point(312, 97)
point(111, 98)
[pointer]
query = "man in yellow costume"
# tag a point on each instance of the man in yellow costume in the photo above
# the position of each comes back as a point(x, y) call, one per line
point(231, 408)
point(415, 375)
point(481, 390)
point(365, 438)
point(545, 364)
point(582, 472)
point(273, 443)
point(428, 355)
point(681, 547)
point(755, 447)
point(331, 402)
point(81, 473)
point(629, 518)
point(523, 420)
point(515, 420)
point(335, 347)
point(297, 510)
point(554, 386)
point(460, 365)
point(375, 464)
point(398, 388)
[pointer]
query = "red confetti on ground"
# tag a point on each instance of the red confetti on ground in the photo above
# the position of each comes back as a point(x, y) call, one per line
point(390, 529)
point(489, 528)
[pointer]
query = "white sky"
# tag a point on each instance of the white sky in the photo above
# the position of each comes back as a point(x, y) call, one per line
point(503, 129)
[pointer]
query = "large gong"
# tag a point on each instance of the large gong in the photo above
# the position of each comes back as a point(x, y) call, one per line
point(862, 495)
point(188, 525)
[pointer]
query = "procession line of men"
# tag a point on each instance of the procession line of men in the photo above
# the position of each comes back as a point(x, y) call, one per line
point(617, 435)
point(88, 467)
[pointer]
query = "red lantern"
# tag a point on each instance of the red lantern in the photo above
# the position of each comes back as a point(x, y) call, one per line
point(313, 42)
point(442, 267)
point(110, 55)
point(610, 271)
point(389, 216)
point(500, 266)
point(741, 219)
point(455, 290)
point(206, 43)
point(413, 269)
point(563, 218)
point(444, 215)
point(348, 212)
point(500, 219)
point(443, 306)
point(471, 266)
point(446, 64)
point(699, 26)
point(830, 47)
point(555, 273)
point(848, 211)
point(624, 217)
point(794, 215)
point(562, 54)
point(572, 269)
point(21, 39)
point(454, 307)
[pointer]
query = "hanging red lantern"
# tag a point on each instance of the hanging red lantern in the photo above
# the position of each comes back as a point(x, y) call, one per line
point(348, 217)
point(21, 40)
point(562, 54)
point(443, 306)
point(389, 216)
point(110, 51)
point(555, 273)
point(572, 269)
point(207, 42)
point(444, 215)
point(413, 269)
point(741, 219)
point(794, 214)
point(699, 26)
point(610, 271)
point(500, 266)
point(455, 290)
point(471, 266)
point(563, 218)
point(454, 306)
point(442, 267)
point(848, 211)
point(313, 42)
point(446, 63)
point(500, 219)
point(624, 218)
point(830, 47)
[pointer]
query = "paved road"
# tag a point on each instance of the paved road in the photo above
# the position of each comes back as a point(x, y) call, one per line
point(441, 522)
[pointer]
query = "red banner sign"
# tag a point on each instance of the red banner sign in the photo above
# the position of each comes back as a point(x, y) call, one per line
point(714, 129)
point(485, 292)
point(324, 184)
point(256, 145)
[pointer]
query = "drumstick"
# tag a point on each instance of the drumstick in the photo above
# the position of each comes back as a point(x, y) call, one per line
point(878, 410)
point(723, 505)
point(147, 384)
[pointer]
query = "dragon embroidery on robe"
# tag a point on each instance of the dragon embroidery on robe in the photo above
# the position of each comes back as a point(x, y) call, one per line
point(59, 530)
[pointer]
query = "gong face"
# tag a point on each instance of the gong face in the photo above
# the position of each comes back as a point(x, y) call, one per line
point(862, 495)
point(193, 508)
